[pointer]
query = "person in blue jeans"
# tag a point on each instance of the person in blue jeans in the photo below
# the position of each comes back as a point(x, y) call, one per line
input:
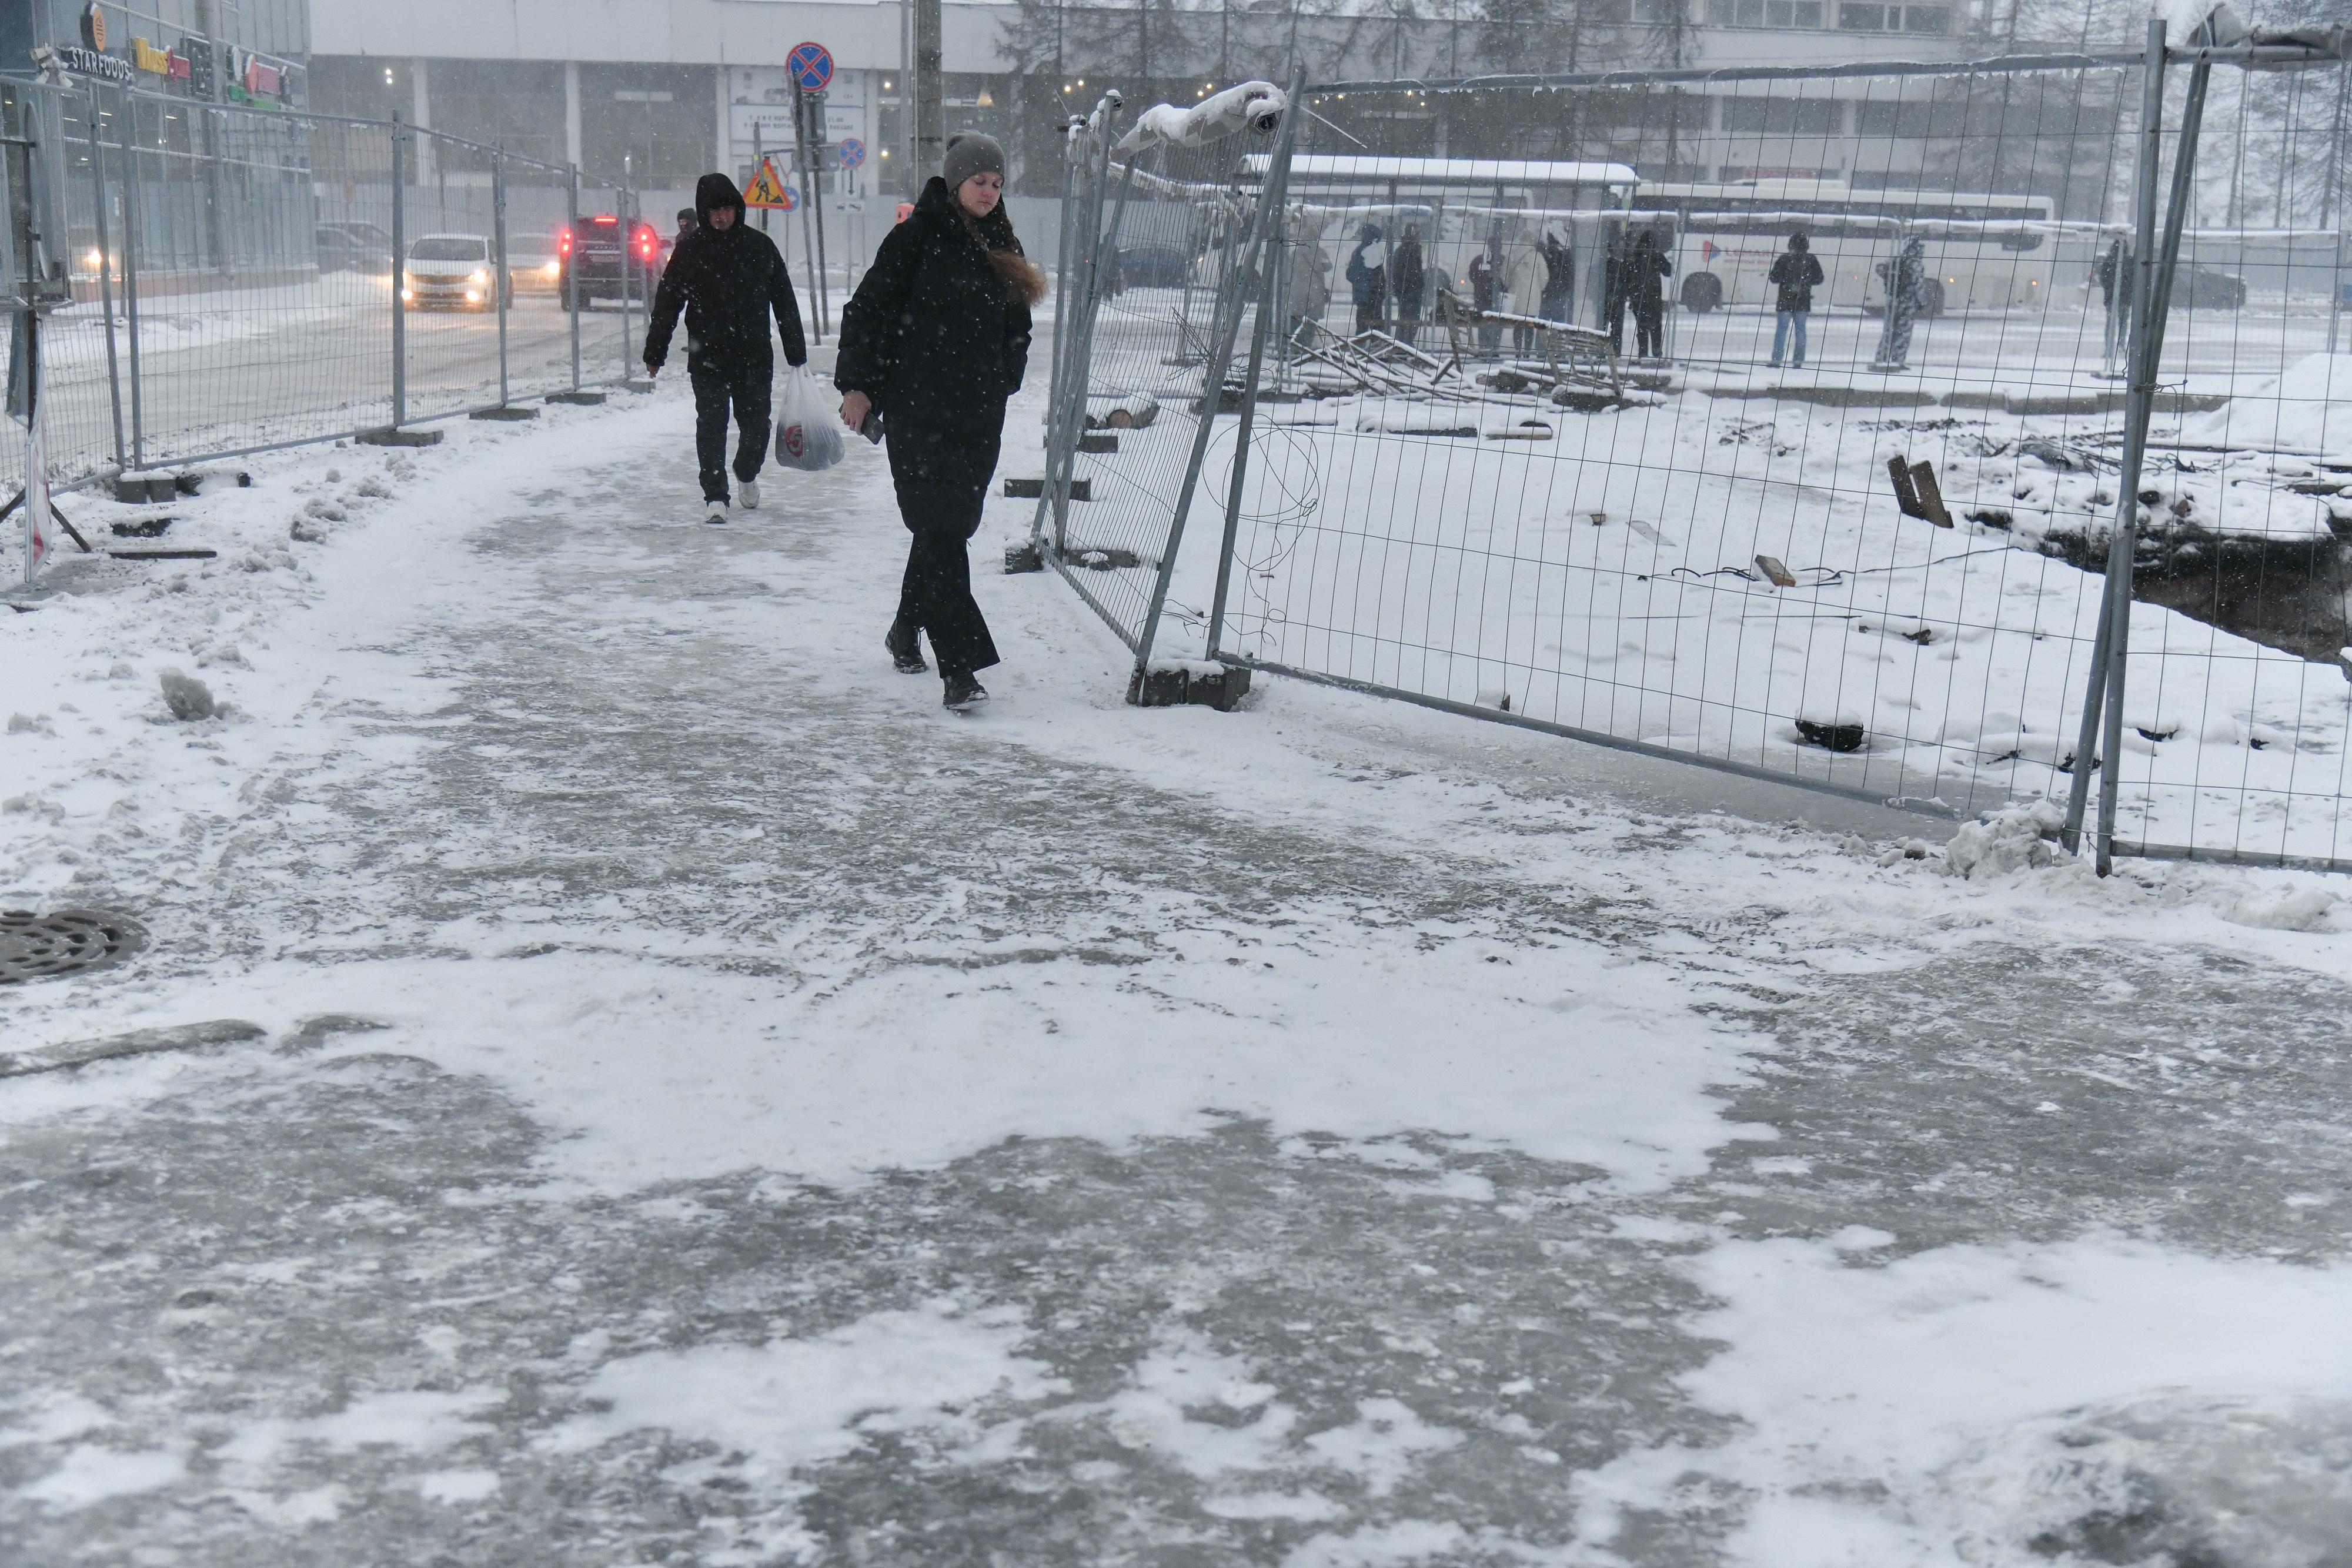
point(1796, 272)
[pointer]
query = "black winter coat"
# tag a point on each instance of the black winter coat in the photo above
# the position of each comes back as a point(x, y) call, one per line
point(1795, 273)
point(1647, 270)
point(728, 282)
point(934, 335)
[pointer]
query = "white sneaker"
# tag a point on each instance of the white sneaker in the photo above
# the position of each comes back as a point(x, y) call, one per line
point(747, 495)
point(714, 512)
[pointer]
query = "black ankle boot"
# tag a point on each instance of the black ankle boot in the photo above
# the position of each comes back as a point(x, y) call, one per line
point(961, 693)
point(905, 656)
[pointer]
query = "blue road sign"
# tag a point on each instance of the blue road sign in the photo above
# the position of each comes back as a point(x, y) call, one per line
point(853, 153)
point(811, 65)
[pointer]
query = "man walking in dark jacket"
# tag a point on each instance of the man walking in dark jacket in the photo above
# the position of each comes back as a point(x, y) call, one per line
point(728, 278)
point(1796, 272)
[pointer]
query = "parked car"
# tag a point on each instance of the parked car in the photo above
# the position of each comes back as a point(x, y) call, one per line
point(604, 256)
point(448, 270)
point(2196, 287)
point(1154, 266)
point(352, 248)
point(533, 267)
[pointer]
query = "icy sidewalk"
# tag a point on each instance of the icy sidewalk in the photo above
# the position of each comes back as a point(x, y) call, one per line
point(808, 1126)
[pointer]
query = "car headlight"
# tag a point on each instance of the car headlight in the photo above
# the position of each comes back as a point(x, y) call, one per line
point(407, 294)
point(480, 276)
point(554, 269)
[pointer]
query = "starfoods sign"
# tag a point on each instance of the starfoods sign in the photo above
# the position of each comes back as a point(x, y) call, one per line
point(91, 63)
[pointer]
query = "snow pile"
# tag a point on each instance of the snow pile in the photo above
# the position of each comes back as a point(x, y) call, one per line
point(2308, 407)
point(2300, 909)
point(2010, 839)
point(1990, 1407)
point(2251, 1482)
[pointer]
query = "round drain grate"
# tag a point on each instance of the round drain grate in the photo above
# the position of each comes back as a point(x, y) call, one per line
point(64, 941)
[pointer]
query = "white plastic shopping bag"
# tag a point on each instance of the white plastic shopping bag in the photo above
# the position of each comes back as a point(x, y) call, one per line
point(808, 427)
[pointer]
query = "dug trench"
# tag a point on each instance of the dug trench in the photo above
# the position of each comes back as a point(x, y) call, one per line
point(2284, 594)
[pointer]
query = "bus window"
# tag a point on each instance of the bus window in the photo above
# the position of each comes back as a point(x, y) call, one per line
point(2024, 239)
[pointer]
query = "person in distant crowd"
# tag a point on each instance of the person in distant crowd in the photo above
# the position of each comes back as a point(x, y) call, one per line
point(936, 339)
point(685, 223)
point(1796, 272)
point(1408, 281)
point(1905, 278)
point(1523, 284)
point(1368, 275)
point(1646, 290)
point(2116, 275)
point(1484, 284)
point(1560, 278)
point(1613, 289)
point(1310, 282)
point(728, 278)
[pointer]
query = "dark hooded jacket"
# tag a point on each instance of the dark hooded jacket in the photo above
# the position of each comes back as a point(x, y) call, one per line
point(1796, 272)
point(934, 334)
point(728, 282)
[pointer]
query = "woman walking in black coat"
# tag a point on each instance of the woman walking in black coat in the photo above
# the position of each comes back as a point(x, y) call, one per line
point(936, 340)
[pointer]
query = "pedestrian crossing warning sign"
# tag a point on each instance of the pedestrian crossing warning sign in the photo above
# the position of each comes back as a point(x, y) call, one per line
point(766, 190)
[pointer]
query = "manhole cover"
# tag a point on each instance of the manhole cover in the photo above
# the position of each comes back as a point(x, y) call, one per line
point(64, 941)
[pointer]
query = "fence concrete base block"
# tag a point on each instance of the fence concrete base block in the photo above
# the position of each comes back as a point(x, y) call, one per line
point(638, 385)
point(138, 1042)
point(1097, 442)
point(583, 399)
point(1033, 489)
point(504, 411)
point(1188, 684)
point(1023, 557)
point(145, 489)
point(399, 435)
point(1102, 557)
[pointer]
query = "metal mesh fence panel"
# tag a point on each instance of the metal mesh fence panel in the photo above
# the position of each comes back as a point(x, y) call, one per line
point(2229, 734)
point(1164, 237)
point(1562, 428)
point(237, 274)
point(252, 283)
point(611, 280)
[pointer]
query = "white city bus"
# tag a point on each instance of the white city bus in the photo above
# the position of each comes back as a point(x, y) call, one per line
point(1984, 252)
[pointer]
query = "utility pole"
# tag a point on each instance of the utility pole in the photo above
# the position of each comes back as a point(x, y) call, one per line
point(930, 114)
point(215, 235)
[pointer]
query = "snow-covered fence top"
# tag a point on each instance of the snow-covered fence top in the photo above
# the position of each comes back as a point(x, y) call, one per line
point(1246, 106)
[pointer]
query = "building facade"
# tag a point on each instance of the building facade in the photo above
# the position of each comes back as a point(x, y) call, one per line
point(220, 51)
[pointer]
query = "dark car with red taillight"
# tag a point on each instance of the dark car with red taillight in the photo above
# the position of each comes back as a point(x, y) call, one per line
point(610, 257)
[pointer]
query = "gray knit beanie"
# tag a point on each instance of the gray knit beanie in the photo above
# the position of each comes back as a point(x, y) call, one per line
point(970, 152)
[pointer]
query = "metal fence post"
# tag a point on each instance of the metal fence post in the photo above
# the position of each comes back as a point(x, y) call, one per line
point(572, 267)
point(2138, 411)
point(2335, 201)
point(501, 274)
point(131, 275)
point(2094, 686)
point(626, 200)
point(1231, 299)
point(1276, 256)
point(105, 271)
point(1082, 349)
point(399, 272)
point(1062, 323)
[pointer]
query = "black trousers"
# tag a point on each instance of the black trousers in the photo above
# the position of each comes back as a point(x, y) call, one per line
point(1650, 330)
point(745, 388)
point(942, 476)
